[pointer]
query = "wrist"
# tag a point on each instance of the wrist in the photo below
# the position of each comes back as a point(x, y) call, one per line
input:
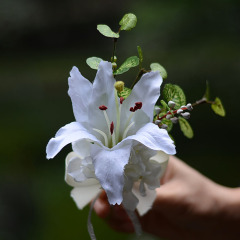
point(229, 211)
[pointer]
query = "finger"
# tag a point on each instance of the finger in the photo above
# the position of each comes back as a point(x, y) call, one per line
point(102, 208)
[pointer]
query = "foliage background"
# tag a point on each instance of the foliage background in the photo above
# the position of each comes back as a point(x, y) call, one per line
point(41, 40)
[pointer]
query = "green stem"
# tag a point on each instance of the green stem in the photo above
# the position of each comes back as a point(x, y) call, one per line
point(201, 101)
point(141, 72)
point(114, 48)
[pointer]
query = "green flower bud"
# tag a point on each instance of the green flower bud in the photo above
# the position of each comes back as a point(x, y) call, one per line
point(114, 59)
point(114, 66)
point(119, 85)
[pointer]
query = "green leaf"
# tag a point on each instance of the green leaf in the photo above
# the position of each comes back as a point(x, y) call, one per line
point(125, 93)
point(140, 54)
point(164, 105)
point(159, 68)
point(128, 22)
point(106, 31)
point(129, 63)
point(174, 93)
point(218, 108)
point(185, 127)
point(207, 92)
point(93, 62)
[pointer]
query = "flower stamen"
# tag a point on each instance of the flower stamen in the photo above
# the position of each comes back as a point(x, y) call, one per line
point(103, 134)
point(127, 129)
point(103, 107)
point(111, 128)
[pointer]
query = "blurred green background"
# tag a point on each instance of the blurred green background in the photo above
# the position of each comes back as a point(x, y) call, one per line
point(41, 40)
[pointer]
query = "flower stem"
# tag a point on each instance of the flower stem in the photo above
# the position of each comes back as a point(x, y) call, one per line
point(141, 72)
point(114, 49)
point(198, 102)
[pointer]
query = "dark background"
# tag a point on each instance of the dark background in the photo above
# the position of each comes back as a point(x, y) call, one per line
point(41, 40)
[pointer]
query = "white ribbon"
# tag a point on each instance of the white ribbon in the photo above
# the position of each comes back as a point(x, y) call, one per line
point(136, 224)
point(89, 223)
point(131, 214)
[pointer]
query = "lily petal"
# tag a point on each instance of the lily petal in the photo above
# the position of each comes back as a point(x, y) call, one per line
point(79, 90)
point(109, 167)
point(154, 138)
point(145, 203)
point(162, 158)
point(69, 133)
point(70, 180)
point(130, 201)
point(83, 195)
point(103, 94)
point(147, 91)
point(82, 148)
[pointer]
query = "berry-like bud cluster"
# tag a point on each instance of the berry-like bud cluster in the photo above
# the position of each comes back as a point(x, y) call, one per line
point(173, 115)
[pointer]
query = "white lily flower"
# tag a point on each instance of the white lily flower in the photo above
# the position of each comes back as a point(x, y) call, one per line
point(107, 130)
point(81, 177)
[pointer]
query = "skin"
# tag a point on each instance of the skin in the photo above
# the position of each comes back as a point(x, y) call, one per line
point(188, 206)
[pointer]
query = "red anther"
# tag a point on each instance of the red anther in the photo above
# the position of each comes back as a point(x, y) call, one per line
point(132, 109)
point(102, 107)
point(111, 128)
point(138, 105)
point(121, 100)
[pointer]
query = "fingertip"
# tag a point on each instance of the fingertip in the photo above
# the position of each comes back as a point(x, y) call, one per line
point(102, 208)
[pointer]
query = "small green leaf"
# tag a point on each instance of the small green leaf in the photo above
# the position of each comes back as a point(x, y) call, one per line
point(159, 68)
point(140, 54)
point(125, 93)
point(93, 62)
point(106, 31)
point(185, 127)
point(207, 92)
point(174, 93)
point(128, 22)
point(164, 105)
point(218, 108)
point(129, 63)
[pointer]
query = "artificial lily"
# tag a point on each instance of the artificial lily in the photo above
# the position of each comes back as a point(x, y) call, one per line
point(108, 129)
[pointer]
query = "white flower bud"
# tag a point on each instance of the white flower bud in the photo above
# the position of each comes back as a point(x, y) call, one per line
point(164, 126)
point(186, 115)
point(171, 104)
point(157, 110)
point(168, 116)
point(157, 122)
point(174, 120)
point(189, 107)
point(179, 111)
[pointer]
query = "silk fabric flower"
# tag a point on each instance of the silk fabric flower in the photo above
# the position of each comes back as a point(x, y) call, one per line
point(112, 139)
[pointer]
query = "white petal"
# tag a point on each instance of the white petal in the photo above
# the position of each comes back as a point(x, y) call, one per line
point(80, 91)
point(139, 118)
point(69, 133)
point(103, 94)
point(70, 180)
point(109, 168)
point(147, 91)
point(83, 195)
point(153, 173)
point(162, 158)
point(145, 203)
point(82, 148)
point(154, 138)
point(130, 201)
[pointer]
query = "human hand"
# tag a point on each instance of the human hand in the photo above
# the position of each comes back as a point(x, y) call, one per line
point(188, 206)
